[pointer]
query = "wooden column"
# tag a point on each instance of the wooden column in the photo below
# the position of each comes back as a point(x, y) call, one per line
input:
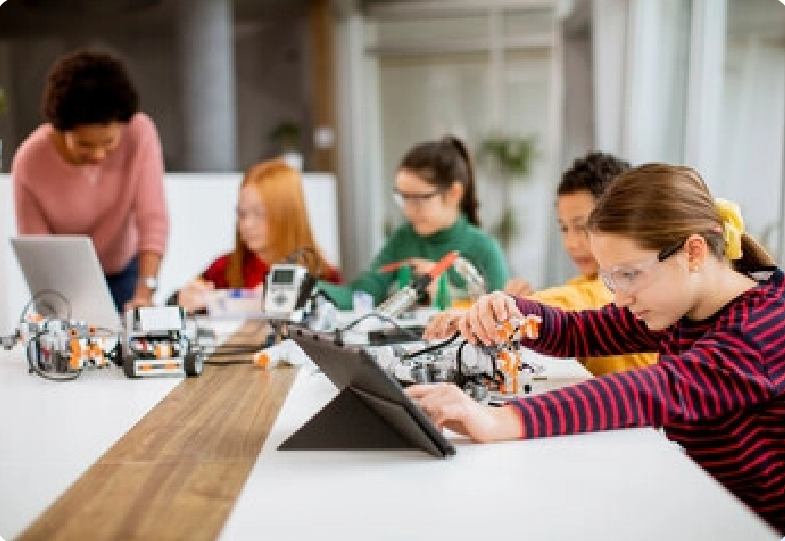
point(323, 83)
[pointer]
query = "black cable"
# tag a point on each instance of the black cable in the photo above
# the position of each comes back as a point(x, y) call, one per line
point(34, 365)
point(231, 352)
point(224, 347)
point(382, 317)
point(116, 354)
point(497, 376)
point(41, 293)
point(431, 348)
point(459, 363)
point(224, 350)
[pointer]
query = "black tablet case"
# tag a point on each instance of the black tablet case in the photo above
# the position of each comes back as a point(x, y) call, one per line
point(370, 412)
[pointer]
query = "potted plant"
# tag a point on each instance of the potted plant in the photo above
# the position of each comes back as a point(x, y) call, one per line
point(286, 137)
point(509, 158)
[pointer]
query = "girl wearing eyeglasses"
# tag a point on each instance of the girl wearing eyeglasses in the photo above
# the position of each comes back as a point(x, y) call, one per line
point(580, 187)
point(436, 189)
point(687, 283)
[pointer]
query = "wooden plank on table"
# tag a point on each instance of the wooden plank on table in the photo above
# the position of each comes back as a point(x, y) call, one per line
point(178, 472)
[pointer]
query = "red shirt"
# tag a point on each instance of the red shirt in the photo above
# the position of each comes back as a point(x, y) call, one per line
point(254, 272)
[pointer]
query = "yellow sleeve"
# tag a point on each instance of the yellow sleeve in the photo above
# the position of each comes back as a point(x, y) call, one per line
point(581, 293)
point(577, 294)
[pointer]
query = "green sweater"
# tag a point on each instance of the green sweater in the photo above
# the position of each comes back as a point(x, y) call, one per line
point(474, 245)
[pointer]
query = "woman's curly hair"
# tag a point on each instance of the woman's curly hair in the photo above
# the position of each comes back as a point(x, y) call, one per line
point(88, 87)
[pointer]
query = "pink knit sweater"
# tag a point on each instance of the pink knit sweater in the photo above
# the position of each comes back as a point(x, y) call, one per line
point(120, 203)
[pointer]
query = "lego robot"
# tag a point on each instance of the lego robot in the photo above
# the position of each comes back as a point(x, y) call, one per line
point(155, 342)
point(61, 349)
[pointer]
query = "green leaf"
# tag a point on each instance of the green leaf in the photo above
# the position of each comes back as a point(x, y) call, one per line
point(511, 154)
point(506, 229)
point(286, 135)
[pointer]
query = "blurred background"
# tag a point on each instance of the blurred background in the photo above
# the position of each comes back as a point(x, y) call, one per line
point(347, 86)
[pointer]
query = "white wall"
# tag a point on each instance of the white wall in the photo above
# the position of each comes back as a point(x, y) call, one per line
point(471, 74)
point(749, 169)
point(701, 83)
point(202, 213)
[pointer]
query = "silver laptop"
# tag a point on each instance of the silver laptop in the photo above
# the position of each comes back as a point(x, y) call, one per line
point(64, 272)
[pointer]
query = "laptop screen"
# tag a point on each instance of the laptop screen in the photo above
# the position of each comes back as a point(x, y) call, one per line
point(64, 274)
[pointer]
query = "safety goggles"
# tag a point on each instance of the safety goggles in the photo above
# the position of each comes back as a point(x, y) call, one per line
point(630, 278)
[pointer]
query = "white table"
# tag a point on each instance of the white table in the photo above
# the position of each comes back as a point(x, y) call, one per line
point(625, 485)
point(52, 432)
point(615, 485)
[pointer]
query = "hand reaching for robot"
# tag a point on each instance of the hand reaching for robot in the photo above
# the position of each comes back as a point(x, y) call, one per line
point(139, 300)
point(481, 322)
point(449, 407)
point(444, 324)
point(420, 265)
point(518, 287)
point(193, 296)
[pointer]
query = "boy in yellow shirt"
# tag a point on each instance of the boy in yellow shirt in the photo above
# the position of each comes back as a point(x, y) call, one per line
point(581, 185)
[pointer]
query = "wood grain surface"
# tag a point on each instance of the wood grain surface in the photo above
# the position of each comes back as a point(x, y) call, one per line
point(178, 472)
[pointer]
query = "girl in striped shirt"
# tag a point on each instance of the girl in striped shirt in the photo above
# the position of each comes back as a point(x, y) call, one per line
point(689, 284)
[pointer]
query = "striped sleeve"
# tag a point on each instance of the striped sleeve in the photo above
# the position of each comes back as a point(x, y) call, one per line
point(609, 330)
point(721, 373)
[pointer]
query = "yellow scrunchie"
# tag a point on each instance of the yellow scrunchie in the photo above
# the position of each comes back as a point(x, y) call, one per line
point(732, 225)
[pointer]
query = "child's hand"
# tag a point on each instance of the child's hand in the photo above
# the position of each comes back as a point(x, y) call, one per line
point(420, 265)
point(449, 407)
point(482, 321)
point(193, 296)
point(518, 287)
point(432, 289)
point(444, 324)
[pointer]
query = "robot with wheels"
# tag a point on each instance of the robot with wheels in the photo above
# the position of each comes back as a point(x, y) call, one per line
point(61, 349)
point(155, 343)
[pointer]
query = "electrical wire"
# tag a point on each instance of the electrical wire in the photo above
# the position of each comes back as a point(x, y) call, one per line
point(434, 347)
point(382, 317)
point(34, 365)
point(224, 350)
point(228, 363)
point(41, 293)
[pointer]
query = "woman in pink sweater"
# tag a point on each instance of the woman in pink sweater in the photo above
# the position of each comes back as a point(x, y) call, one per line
point(96, 169)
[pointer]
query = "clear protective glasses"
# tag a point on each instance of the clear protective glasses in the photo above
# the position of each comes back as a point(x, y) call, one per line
point(630, 278)
point(414, 200)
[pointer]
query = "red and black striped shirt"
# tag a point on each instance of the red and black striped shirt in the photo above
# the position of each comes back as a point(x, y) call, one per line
point(718, 388)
